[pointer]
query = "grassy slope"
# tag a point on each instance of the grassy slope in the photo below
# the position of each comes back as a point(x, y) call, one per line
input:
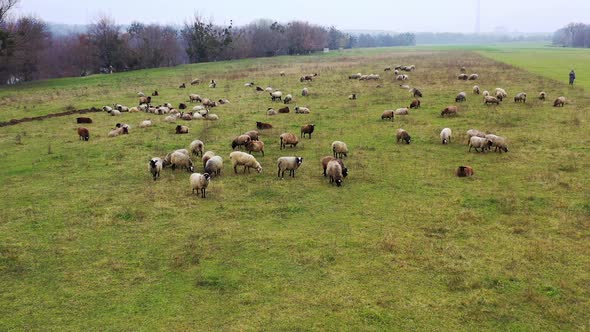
point(89, 241)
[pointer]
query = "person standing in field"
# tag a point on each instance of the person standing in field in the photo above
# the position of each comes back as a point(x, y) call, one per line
point(572, 77)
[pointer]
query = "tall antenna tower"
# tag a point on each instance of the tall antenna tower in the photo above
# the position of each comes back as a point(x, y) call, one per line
point(477, 16)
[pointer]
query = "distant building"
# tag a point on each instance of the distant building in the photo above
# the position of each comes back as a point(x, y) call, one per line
point(326, 50)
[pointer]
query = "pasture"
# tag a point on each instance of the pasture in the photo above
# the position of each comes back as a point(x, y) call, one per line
point(88, 241)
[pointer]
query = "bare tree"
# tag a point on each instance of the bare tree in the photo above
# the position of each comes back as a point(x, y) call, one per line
point(5, 7)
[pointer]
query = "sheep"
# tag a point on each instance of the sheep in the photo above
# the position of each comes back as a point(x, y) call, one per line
point(463, 77)
point(140, 94)
point(354, 76)
point(268, 89)
point(262, 125)
point(182, 160)
point(115, 112)
point(464, 171)
point(288, 138)
point(107, 109)
point(288, 99)
point(327, 159)
point(200, 182)
point(352, 96)
point(214, 166)
point(259, 88)
point(239, 141)
point(277, 95)
point(445, 135)
point(182, 86)
point(416, 93)
point(491, 100)
point(502, 92)
point(373, 77)
point(307, 129)
point(449, 110)
point(396, 72)
point(255, 146)
point(306, 78)
point(118, 131)
point(288, 164)
point(282, 73)
point(402, 135)
point(249, 84)
point(253, 134)
point(520, 97)
point(401, 111)
point(474, 132)
point(206, 156)
point(155, 93)
point(485, 93)
point(499, 96)
point(195, 81)
point(387, 69)
point(463, 70)
point(155, 167)
point(334, 171)
point(194, 98)
point(122, 108)
point(181, 129)
point(476, 89)
point(167, 105)
point(415, 104)
point(134, 109)
point(304, 92)
point(145, 124)
point(239, 158)
point(339, 149)
point(170, 118)
point(402, 77)
point(198, 108)
point(145, 100)
point(197, 116)
point(208, 103)
point(560, 101)
point(284, 109)
point(143, 108)
point(542, 95)
point(197, 147)
point(186, 116)
point(301, 110)
point(461, 97)
point(498, 142)
point(213, 84)
point(388, 114)
point(477, 142)
point(167, 162)
point(182, 106)
point(473, 77)
point(84, 133)
point(271, 111)
point(211, 117)
point(83, 120)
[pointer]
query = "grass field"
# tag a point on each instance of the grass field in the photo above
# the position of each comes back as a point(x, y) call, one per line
point(88, 241)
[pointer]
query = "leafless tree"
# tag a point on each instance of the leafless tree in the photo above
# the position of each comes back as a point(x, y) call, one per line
point(5, 7)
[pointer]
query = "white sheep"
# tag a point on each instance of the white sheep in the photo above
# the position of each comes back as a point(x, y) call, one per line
point(271, 111)
point(334, 171)
point(239, 158)
point(155, 167)
point(211, 117)
point(214, 165)
point(200, 182)
point(114, 112)
point(277, 95)
point(479, 143)
point(288, 164)
point(197, 147)
point(485, 93)
point(401, 111)
point(304, 92)
point(145, 124)
point(445, 135)
point(474, 132)
point(171, 118)
point(288, 99)
point(476, 89)
point(497, 142)
point(301, 110)
point(206, 156)
point(339, 149)
point(179, 159)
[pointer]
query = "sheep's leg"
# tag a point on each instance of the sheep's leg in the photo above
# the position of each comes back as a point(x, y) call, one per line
point(279, 172)
point(236, 169)
point(263, 153)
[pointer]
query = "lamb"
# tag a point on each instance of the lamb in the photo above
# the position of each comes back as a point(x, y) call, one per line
point(415, 104)
point(401, 111)
point(208, 155)
point(485, 93)
point(255, 146)
point(461, 97)
point(195, 81)
point(182, 86)
point(83, 120)
point(542, 95)
point(491, 100)
point(195, 98)
point(145, 124)
point(84, 133)
point(288, 164)
point(155, 167)
point(262, 125)
point(304, 92)
point(449, 110)
point(197, 147)
point(214, 166)
point(145, 100)
point(388, 114)
point(253, 134)
point(284, 109)
point(239, 141)
point(327, 159)
point(445, 135)
point(155, 93)
point(479, 143)
point(560, 101)
point(334, 171)
point(307, 129)
point(200, 182)
point(301, 110)
point(213, 84)
point(402, 135)
point(182, 160)
point(464, 171)
point(463, 77)
point(277, 95)
point(239, 158)
point(271, 111)
point(288, 99)
point(520, 97)
point(181, 129)
point(473, 77)
point(339, 149)
point(476, 89)
point(288, 138)
point(352, 96)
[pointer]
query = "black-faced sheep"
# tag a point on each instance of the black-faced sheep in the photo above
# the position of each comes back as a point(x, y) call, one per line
point(288, 139)
point(476, 89)
point(403, 136)
point(271, 111)
point(182, 160)
point(194, 98)
point(254, 135)
point(182, 86)
point(306, 78)
point(334, 171)
point(449, 110)
point(542, 95)
point(463, 77)
point(474, 132)
point(145, 100)
point(277, 95)
point(239, 158)
point(240, 141)
point(327, 159)
point(461, 97)
point(83, 120)
point(301, 110)
point(84, 133)
point(307, 129)
point(388, 114)
point(181, 129)
point(214, 166)
point(445, 135)
point(197, 147)
point(304, 92)
point(255, 146)
point(464, 171)
point(195, 81)
point(339, 149)
point(200, 182)
point(491, 100)
point(416, 93)
point(352, 96)
point(479, 143)
point(262, 125)
point(155, 167)
point(155, 93)
point(206, 156)
point(288, 99)
point(415, 104)
point(560, 101)
point(473, 77)
point(288, 164)
point(520, 98)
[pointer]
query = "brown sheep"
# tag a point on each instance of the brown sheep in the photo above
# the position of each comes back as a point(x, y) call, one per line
point(239, 141)
point(84, 133)
point(327, 159)
point(262, 125)
point(181, 129)
point(145, 100)
point(288, 138)
point(284, 110)
point(182, 86)
point(253, 134)
point(464, 171)
point(449, 110)
point(307, 129)
point(389, 114)
point(402, 135)
point(83, 120)
point(415, 104)
point(255, 146)
point(463, 77)
point(560, 101)
point(491, 100)
point(155, 93)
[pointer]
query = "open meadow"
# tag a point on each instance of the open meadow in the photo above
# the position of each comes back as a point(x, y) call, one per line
point(88, 241)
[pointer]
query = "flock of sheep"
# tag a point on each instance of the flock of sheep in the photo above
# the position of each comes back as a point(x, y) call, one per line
point(333, 165)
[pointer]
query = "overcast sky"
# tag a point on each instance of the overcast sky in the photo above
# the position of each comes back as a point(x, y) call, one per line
point(417, 15)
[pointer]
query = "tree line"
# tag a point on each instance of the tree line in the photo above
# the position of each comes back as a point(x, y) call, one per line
point(573, 35)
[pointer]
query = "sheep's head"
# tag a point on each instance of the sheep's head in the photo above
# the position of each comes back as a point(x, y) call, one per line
point(153, 163)
point(344, 171)
point(298, 161)
point(338, 182)
point(206, 176)
point(445, 141)
point(259, 169)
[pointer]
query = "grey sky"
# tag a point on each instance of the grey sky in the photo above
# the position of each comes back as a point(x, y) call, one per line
point(417, 15)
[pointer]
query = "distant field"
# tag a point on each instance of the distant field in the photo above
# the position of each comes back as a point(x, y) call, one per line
point(88, 241)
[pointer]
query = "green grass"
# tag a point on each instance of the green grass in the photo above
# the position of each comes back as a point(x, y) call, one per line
point(88, 241)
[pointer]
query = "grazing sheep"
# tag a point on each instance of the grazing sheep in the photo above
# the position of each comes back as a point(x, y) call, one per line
point(195, 98)
point(463, 77)
point(155, 167)
point(491, 100)
point(464, 171)
point(145, 124)
point(277, 95)
point(339, 149)
point(334, 171)
point(388, 114)
point(499, 96)
point(288, 99)
point(239, 158)
point(473, 77)
point(259, 88)
point(214, 166)
point(181, 129)
point(195, 81)
point(307, 129)
point(445, 135)
point(304, 92)
point(208, 103)
point(542, 95)
point(352, 96)
point(282, 73)
point(239, 141)
point(560, 101)
point(288, 138)
point(396, 72)
point(402, 135)
point(461, 97)
point(449, 110)
point(182, 86)
point(485, 93)
point(271, 111)
point(145, 100)
point(520, 97)
point(306, 78)
point(262, 125)
point(502, 92)
point(167, 162)
point(182, 160)
point(476, 89)
point(253, 134)
point(354, 76)
point(415, 104)
point(497, 142)
point(474, 132)
point(401, 111)
point(83, 120)
point(463, 70)
point(197, 147)
point(155, 93)
point(416, 93)
point(200, 182)
point(477, 142)
point(402, 77)
point(327, 159)
point(288, 164)
point(208, 155)
point(301, 110)
point(284, 109)
point(84, 133)
point(213, 84)
point(255, 146)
